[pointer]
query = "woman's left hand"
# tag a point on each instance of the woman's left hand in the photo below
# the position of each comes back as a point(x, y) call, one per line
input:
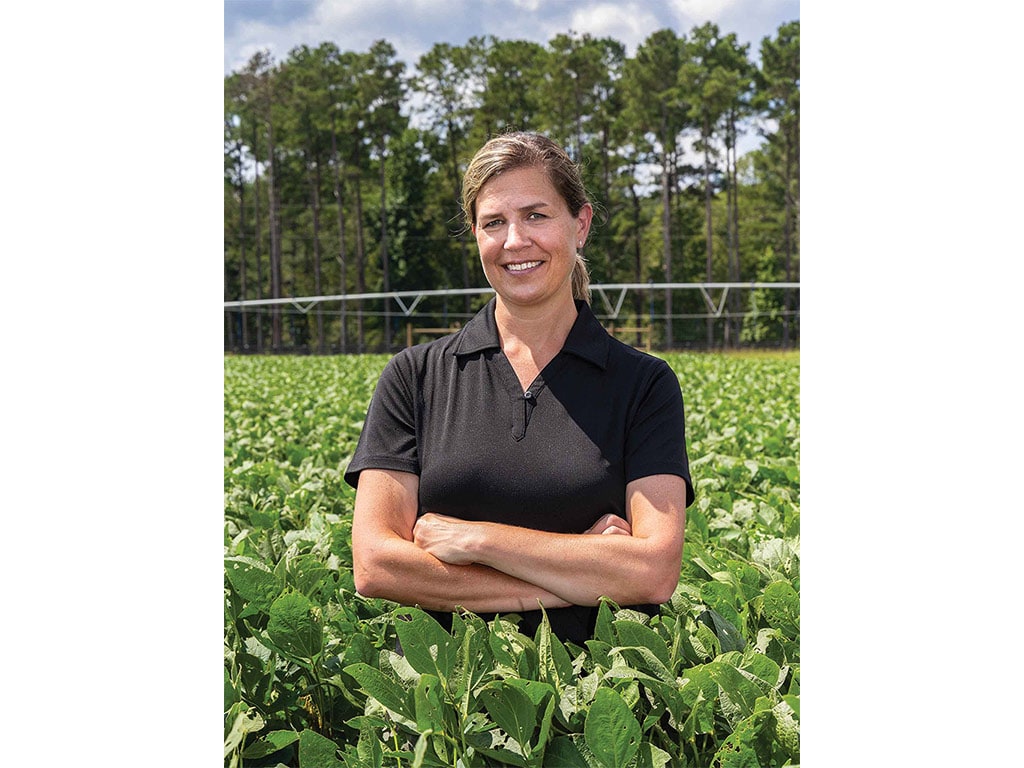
point(446, 538)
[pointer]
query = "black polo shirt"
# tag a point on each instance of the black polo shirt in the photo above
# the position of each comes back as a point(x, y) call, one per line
point(555, 457)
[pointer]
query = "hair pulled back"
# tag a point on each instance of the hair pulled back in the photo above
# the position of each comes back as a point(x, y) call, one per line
point(521, 149)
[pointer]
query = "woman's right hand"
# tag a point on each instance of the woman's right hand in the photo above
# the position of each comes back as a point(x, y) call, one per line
point(612, 525)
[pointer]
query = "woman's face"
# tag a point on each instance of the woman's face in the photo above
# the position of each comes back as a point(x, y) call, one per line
point(527, 237)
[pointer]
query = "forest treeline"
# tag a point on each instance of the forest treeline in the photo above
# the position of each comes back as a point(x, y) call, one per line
point(343, 171)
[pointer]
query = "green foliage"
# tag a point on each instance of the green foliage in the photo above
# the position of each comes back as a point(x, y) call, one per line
point(332, 187)
point(316, 675)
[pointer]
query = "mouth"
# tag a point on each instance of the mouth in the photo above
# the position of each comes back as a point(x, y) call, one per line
point(522, 266)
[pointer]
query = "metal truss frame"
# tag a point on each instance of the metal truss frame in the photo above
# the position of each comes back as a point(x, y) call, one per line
point(407, 301)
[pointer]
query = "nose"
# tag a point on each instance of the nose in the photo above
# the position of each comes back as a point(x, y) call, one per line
point(516, 238)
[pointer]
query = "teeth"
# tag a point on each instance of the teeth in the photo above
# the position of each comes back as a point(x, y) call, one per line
point(521, 267)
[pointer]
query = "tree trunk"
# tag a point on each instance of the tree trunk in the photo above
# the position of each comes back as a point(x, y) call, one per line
point(360, 261)
point(606, 195)
point(343, 345)
point(259, 241)
point(241, 248)
point(788, 235)
point(638, 306)
point(464, 246)
point(708, 235)
point(666, 229)
point(732, 230)
point(385, 270)
point(320, 339)
point(275, 242)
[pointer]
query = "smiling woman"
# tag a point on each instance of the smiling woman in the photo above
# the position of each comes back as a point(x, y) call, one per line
point(529, 460)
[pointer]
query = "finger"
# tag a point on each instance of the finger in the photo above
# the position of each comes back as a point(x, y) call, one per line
point(607, 521)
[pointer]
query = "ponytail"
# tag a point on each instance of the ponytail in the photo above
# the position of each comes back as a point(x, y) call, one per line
point(581, 279)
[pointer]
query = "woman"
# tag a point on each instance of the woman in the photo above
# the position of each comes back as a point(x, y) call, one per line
point(530, 459)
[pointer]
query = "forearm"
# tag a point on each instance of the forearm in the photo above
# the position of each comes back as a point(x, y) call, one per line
point(395, 569)
point(639, 567)
point(581, 568)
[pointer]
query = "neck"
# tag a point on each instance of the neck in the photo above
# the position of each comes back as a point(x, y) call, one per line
point(532, 336)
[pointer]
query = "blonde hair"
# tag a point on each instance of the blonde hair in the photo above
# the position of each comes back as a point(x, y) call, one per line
point(520, 149)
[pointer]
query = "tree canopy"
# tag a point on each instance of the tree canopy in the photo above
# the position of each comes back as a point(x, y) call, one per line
point(342, 174)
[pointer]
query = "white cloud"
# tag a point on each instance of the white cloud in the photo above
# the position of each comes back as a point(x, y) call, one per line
point(704, 10)
point(414, 26)
point(628, 23)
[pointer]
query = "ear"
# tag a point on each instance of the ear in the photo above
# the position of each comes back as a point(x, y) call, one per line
point(583, 221)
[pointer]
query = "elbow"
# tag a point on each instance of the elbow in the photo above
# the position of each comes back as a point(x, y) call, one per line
point(364, 583)
point(367, 577)
point(662, 591)
point(661, 580)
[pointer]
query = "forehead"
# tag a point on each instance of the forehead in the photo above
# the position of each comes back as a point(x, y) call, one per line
point(519, 186)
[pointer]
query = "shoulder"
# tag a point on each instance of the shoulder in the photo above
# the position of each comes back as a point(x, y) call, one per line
point(412, 363)
point(643, 365)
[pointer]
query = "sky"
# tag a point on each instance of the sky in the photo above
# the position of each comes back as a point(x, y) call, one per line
point(414, 26)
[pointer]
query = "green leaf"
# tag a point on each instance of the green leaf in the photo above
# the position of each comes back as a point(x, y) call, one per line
point(472, 659)
point(248, 721)
point(420, 752)
point(270, 743)
point(786, 729)
point(721, 598)
point(382, 688)
point(729, 637)
point(603, 629)
point(611, 731)
point(738, 694)
point(599, 652)
point(308, 575)
point(294, 628)
point(498, 745)
point(746, 580)
point(745, 747)
point(429, 649)
point(762, 671)
point(639, 656)
point(699, 692)
point(429, 706)
point(651, 756)
point(667, 693)
point(782, 608)
point(316, 751)
point(546, 718)
point(253, 581)
point(512, 710)
point(564, 753)
point(635, 633)
point(555, 664)
point(368, 748)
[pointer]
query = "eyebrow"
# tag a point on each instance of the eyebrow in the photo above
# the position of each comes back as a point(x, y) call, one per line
point(520, 209)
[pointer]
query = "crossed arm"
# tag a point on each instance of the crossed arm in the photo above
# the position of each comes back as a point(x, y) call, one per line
point(440, 562)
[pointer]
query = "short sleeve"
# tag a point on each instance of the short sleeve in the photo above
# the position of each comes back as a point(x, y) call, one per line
point(656, 435)
point(389, 436)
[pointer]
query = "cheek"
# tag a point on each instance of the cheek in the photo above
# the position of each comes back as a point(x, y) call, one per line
point(488, 247)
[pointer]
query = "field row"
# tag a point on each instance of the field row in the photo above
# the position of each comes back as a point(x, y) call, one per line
point(311, 674)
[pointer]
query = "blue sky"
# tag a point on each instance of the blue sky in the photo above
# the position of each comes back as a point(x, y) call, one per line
point(413, 26)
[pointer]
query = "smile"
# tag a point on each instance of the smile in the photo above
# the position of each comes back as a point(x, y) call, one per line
point(522, 266)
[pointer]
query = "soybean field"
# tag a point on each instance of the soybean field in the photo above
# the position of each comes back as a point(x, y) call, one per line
point(311, 673)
